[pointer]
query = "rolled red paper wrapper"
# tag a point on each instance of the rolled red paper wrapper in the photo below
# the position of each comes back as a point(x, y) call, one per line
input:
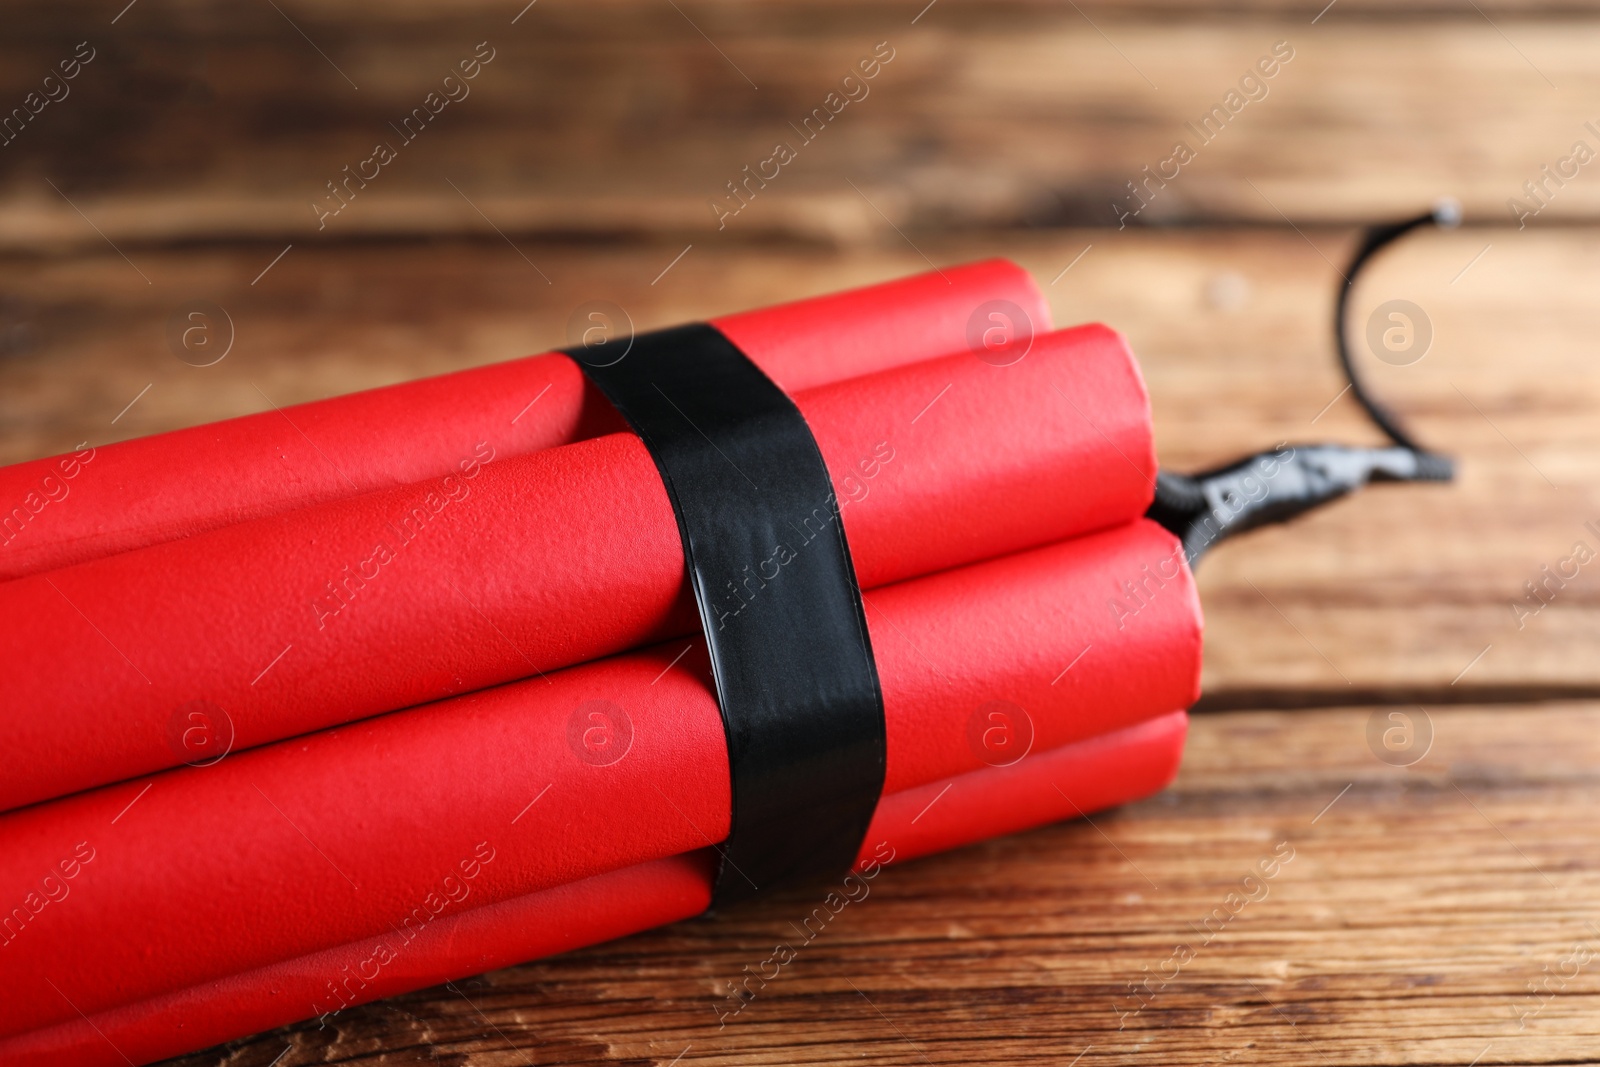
point(290, 849)
point(81, 506)
point(1073, 780)
point(273, 628)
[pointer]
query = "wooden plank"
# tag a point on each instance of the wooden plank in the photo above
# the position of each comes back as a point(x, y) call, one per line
point(623, 118)
point(1391, 595)
point(1423, 902)
point(1419, 906)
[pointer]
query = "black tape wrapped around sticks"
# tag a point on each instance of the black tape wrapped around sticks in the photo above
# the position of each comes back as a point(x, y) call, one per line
point(792, 662)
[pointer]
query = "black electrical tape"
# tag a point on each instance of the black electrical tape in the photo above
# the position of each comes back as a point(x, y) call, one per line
point(787, 632)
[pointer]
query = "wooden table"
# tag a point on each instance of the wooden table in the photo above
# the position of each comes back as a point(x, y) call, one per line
point(1437, 912)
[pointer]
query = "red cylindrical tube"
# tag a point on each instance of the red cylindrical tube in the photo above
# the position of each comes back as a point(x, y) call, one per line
point(280, 852)
point(328, 614)
point(1073, 780)
point(81, 506)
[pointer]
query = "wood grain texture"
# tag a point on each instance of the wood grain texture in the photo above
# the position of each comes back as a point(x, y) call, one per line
point(1431, 914)
point(629, 118)
point(1418, 906)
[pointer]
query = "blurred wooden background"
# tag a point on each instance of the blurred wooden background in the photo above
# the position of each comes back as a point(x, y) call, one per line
point(183, 163)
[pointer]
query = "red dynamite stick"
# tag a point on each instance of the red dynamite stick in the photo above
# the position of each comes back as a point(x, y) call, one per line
point(292, 623)
point(1076, 779)
point(81, 506)
point(289, 849)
